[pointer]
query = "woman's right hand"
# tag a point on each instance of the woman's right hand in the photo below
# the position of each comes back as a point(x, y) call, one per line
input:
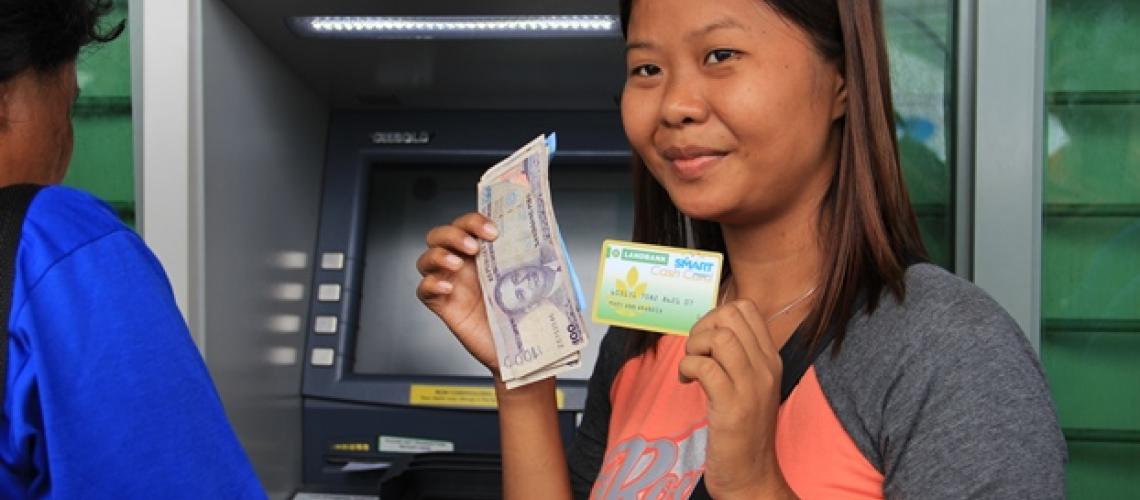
point(450, 284)
point(533, 459)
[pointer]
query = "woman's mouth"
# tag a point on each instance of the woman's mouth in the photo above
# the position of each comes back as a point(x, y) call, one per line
point(691, 163)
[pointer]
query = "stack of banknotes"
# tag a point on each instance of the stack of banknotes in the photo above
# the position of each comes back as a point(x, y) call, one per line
point(532, 296)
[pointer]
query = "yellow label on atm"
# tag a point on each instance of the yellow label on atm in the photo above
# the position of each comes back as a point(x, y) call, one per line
point(460, 396)
point(354, 447)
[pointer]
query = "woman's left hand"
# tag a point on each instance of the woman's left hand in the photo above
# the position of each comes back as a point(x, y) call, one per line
point(732, 356)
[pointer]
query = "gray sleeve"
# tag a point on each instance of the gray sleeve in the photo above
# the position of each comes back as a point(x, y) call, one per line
point(585, 454)
point(974, 419)
point(945, 397)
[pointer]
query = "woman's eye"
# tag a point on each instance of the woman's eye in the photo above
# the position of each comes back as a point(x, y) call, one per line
point(720, 55)
point(645, 70)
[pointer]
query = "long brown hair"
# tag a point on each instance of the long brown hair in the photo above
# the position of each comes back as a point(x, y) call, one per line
point(868, 228)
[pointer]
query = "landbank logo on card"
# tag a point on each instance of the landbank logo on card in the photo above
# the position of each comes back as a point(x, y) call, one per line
point(655, 288)
point(642, 256)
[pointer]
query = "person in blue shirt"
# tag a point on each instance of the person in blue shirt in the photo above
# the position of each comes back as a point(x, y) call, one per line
point(106, 395)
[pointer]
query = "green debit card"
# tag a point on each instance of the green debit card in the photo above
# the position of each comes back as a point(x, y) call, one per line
point(655, 288)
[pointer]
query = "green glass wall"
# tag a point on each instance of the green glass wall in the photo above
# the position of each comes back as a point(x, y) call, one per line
point(103, 163)
point(921, 41)
point(1090, 298)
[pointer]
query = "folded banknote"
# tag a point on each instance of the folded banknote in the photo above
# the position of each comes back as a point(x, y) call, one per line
point(529, 287)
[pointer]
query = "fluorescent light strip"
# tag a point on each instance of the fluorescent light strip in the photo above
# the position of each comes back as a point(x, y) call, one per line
point(456, 27)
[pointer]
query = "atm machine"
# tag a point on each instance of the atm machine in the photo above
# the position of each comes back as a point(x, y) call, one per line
point(327, 156)
point(383, 377)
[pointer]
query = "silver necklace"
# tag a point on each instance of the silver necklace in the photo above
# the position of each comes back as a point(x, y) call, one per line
point(783, 310)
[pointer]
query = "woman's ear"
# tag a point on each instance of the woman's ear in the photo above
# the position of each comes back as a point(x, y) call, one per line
point(839, 104)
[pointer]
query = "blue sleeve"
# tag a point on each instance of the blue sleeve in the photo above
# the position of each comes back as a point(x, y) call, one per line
point(108, 396)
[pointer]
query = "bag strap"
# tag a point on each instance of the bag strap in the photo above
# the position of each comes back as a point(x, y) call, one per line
point(14, 201)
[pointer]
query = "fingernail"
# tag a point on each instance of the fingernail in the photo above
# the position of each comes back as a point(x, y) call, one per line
point(470, 244)
point(453, 261)
point(444, 286)
point(490, 230)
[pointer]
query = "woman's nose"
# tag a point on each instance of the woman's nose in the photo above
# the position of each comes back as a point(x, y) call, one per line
point(683, 103)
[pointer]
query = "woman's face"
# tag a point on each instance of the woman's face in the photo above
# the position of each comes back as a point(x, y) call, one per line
point(35, 125)
point(731, 108)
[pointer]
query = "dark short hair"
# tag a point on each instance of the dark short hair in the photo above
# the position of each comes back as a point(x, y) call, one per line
point(44, 34)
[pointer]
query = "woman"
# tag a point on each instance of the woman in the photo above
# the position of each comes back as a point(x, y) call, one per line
point(105, 394)
point(837, 365)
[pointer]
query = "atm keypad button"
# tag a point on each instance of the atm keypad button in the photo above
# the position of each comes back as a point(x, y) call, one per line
point(325, 325)
point(332, 261)
point(328, 292)
point(322, 356)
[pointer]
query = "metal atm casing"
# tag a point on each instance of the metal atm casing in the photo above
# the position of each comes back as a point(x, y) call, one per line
point(345, 412)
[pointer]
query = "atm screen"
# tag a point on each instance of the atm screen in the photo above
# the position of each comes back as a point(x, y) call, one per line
point(397, 335)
